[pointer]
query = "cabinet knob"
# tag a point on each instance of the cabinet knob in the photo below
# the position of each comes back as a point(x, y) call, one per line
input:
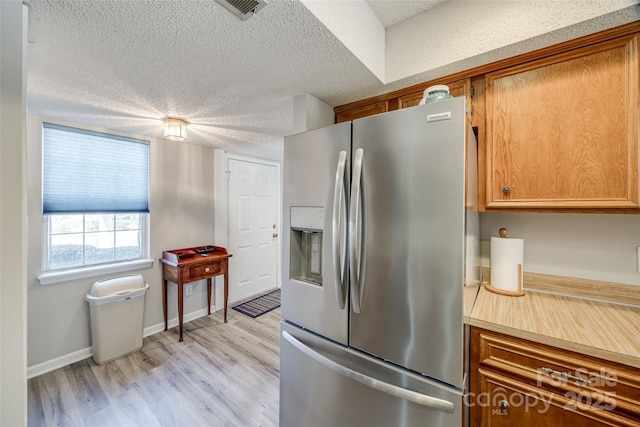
point(506, 189)
point(504, 405)
point(206, 269)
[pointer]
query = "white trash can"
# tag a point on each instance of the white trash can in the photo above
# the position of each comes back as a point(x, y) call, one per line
point(117, 316)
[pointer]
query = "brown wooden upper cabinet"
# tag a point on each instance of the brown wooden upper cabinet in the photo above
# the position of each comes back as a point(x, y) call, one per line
point(562, 131)
point(397, 100)
point(457, 88)
point(363, 111)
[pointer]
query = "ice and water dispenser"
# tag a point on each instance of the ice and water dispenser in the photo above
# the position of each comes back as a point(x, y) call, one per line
point(306, 244)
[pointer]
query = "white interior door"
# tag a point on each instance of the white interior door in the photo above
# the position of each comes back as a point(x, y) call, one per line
point(253, 228)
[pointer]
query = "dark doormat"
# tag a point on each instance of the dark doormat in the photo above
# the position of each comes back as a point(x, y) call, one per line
point(260, 305)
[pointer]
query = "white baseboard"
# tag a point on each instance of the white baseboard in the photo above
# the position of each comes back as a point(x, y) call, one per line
point(76, 356)
point(58, 362)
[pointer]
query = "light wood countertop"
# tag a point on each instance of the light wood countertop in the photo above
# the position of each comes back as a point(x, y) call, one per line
point(469, 294)
point(585, 324)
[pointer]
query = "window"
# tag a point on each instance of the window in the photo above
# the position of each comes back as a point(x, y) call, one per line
point(95, 198)
point(82, 240)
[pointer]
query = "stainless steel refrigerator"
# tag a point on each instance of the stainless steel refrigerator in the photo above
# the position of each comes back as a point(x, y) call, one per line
point(381, 234)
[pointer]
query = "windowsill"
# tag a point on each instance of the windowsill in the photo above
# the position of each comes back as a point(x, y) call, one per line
point(99, 270)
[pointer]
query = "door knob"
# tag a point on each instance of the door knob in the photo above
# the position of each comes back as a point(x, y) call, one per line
point(275, 235)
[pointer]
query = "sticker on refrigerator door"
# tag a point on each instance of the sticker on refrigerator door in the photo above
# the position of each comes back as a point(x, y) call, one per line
point(439, 116)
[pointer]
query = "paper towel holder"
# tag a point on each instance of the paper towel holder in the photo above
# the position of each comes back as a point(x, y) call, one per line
point(520, 290)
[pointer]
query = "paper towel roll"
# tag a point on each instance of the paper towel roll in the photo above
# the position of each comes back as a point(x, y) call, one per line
point(506, 264)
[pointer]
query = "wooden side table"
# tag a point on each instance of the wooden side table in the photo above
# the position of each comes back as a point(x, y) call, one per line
point(182, 266)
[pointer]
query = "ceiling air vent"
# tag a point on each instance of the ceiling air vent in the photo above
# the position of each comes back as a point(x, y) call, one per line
point(243, 9)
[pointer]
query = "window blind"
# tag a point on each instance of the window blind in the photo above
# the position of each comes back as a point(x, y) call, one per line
point(86, 171)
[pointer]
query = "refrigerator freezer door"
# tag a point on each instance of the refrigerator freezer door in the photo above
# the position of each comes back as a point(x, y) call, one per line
point(324, 384)
point(412, 227)
point(316, 182)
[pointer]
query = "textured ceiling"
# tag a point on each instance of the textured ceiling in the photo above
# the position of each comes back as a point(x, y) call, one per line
point(126, 64)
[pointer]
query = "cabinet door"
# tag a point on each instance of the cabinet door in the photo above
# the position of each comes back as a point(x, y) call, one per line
point(562, 132)
point(504, 402)
point(363, 111)
point(389, 103)
point(515, 382)
point(457, 88)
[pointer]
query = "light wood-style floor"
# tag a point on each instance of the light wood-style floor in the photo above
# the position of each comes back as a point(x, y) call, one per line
point(220, 375)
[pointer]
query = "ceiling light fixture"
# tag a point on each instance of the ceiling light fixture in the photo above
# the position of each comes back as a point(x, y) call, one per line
point(175, 129)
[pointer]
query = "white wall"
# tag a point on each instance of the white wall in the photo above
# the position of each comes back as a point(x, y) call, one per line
point(311, 113)
point(182, 215)
point(588, 246)
point(13, 307)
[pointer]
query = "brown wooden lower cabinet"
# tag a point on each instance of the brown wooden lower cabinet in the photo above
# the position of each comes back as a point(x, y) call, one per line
point(515, 382)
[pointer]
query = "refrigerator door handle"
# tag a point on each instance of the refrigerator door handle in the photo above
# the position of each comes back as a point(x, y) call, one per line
point(402, 393)
point(355, 238)
point(339, 239)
